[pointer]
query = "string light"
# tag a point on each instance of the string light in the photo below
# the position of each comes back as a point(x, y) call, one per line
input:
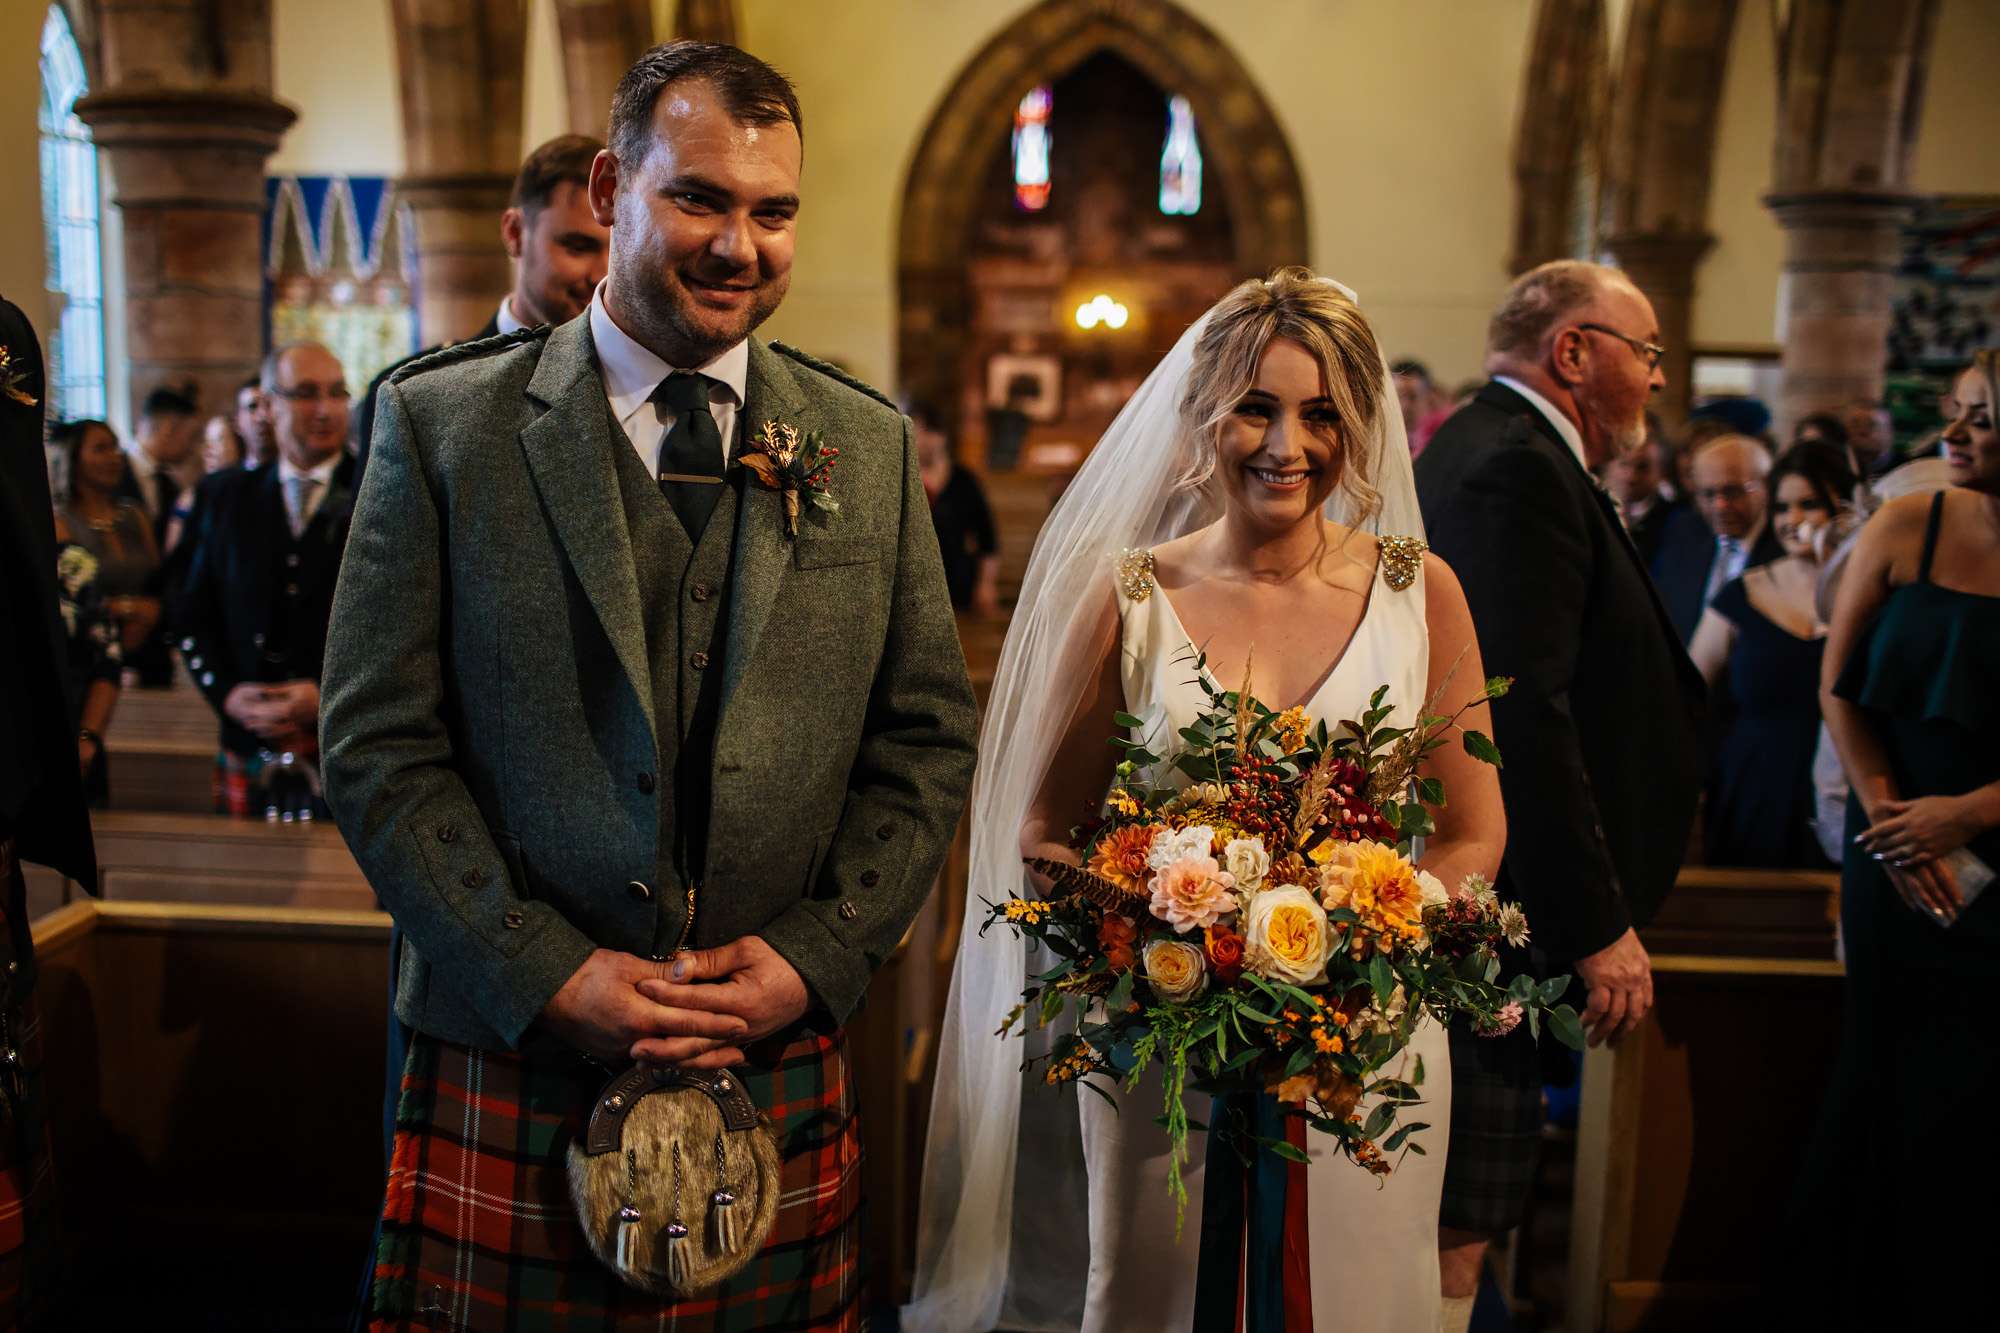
point(1101, 311)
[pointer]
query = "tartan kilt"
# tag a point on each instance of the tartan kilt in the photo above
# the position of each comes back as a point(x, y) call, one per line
point(478, 1232)
point(1496, 1130)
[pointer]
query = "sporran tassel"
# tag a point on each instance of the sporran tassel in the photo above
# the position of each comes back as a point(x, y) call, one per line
point(677, 1233)
point(628, 1217)
point(725, 1225)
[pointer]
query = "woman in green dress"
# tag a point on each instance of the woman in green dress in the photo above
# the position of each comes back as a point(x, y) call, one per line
point(1903, 1158)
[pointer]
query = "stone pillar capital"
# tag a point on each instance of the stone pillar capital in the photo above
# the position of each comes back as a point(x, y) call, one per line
point(174, 146)
point(1671, 256)
point(1662, 265)
point(1795, 208)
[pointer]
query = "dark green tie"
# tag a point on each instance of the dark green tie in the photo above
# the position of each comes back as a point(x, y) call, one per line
point(691, 455)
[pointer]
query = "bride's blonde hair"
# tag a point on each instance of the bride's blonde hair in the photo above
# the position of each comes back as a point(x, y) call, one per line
point(1292, 303)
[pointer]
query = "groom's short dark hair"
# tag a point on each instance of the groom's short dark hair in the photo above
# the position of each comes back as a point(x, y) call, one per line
point(751, 91)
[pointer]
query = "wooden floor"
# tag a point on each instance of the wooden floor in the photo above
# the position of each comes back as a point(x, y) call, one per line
point(216, 1023)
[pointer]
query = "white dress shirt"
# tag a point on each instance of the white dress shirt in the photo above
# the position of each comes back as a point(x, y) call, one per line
point(632, 372)
point(322, 478)
point(1564, 426)
point(505, 321)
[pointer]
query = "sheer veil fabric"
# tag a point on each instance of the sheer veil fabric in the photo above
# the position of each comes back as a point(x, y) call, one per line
point(1002, 1238)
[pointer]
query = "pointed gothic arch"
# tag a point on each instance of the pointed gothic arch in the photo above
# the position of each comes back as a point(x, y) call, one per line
point(1249, 158)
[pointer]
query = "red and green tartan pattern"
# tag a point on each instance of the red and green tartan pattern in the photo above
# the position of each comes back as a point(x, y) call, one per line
point(478, 1232)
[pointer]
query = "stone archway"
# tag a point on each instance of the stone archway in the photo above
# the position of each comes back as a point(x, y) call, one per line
point(1248, 155)
point(1555, 141)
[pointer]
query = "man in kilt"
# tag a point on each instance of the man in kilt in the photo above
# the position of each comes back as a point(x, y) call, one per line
point(653, 754)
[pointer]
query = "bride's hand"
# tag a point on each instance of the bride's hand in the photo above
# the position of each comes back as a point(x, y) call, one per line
point(1047, 851)
point(1928, 889)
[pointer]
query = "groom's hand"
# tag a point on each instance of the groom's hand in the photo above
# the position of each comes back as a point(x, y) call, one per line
point(1620, 978)
point(746, 981)
point(600, 1011)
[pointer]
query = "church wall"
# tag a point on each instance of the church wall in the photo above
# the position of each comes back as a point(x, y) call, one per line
point(337, 65)
point(1958, 142)
point(1400, 118)
point(1736, 284)
point(23, 263)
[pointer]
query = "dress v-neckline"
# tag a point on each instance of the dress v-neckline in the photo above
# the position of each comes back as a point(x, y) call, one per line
point(1333, 669)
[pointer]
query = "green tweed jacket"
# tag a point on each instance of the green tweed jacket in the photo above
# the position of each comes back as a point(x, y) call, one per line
point(487, 709)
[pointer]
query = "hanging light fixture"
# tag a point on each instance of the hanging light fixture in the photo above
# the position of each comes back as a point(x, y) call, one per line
point(1100, 311)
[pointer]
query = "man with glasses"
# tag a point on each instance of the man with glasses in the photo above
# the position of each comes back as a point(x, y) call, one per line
point(259, 589)
point(1600, 729)
point(1725, 534)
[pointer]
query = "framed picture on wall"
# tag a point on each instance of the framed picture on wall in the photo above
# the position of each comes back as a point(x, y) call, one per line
point(1031, 383)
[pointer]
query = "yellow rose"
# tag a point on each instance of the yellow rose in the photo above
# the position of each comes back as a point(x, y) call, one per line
point(1287, 935)
point(1175, 969)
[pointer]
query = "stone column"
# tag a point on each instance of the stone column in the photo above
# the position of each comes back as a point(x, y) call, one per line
point(600, 40)
point(187, 175)
point(1834, 296)
point(461, 68)
point(1662, 264)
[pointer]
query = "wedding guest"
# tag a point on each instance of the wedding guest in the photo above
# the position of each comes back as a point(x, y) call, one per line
point(260, 581)
point(964, 521)
point(115, 531)
point(1637, 480)
point(1871, 435)
point(1761, 639)
point(161, 458)
point(95, 661)
point(1601, 727)
point(221, 446)
point(1907, 689)
point(559, 252)
point(1425, 407)
point(253, 425)
point(1727, 531)
point(43, 819)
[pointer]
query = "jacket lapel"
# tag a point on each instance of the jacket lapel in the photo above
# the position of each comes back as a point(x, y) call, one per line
point(568, 448)
point(762, 552)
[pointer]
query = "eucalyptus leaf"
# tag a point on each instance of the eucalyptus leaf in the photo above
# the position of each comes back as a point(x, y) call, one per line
point(1481, 747)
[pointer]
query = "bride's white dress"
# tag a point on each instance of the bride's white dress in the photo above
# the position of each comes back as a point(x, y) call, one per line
point(1374, 1243)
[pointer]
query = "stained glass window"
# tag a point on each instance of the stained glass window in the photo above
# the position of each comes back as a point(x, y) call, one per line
point(69, 223)
point(1031, 150)
point(1180, 162)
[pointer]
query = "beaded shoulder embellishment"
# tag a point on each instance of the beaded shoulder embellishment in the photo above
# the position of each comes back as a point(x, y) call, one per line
point(1135, 574)
point(1402, 557)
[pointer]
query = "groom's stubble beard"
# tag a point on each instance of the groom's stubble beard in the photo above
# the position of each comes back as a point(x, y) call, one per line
point(659, 312)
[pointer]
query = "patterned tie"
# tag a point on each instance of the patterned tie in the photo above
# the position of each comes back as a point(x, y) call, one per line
point(691, 455)
point(298, 494)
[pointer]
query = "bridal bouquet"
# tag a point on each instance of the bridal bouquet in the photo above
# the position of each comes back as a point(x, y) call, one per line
point(1248, 916)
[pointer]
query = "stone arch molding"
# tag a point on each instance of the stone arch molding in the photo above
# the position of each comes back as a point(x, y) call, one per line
point(1248, 154)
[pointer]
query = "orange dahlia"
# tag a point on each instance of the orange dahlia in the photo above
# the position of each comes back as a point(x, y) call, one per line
point(1121, 856)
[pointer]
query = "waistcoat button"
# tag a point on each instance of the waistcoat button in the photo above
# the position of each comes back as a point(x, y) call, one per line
point(513, 920)
point(639, 890)
point(870, 878)
point(699, 592)
point(473, 878)
point(848, 911)
point(700, 661)
point(447, 832)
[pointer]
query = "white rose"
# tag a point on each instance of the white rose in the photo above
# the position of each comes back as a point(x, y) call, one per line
point(1171, 845)
point(1175, 969)
point(1434, 894)
point(1286, 935)
point(1246, 859)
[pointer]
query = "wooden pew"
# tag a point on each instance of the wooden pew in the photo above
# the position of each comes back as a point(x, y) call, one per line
point(161, 748)
point(1690, 1130)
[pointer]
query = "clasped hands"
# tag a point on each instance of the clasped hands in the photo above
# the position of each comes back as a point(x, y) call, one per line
point(697, 1009)
point(1910, 837)
point(282, 713)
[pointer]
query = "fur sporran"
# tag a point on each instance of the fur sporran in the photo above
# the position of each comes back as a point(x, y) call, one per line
point(675, 1181)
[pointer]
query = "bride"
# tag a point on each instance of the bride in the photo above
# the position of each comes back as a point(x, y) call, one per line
point(1255, 493)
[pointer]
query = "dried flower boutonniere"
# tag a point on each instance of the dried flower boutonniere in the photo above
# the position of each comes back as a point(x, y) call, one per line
point(13, 378)
point(797, 465)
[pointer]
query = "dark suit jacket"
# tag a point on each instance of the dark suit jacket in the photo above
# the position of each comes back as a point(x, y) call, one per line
point(1600, 733)
point(41, 792)
point(363, 425)
point(1648, 530)
point(1686, 554)
point(242, 585)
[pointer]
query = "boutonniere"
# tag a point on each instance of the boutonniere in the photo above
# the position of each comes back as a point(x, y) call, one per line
point(13, 375)
point(797, 465)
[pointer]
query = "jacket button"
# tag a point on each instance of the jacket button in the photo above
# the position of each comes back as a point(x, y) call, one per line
point(700, 661)
point(699, 592)
point(447, 832)
point(848, 911)
point(646, 783)
point(638, 889)
point(870, 878)
point(885, 833)
point(473, 878)
point(513, 920)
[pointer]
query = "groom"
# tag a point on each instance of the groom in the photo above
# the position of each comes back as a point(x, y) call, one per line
point(639, 773)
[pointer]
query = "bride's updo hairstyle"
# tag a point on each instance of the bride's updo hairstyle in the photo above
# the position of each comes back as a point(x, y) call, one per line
point(1292, 303)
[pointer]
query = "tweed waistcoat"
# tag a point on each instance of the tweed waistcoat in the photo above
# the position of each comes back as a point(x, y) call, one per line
point(684, 599)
